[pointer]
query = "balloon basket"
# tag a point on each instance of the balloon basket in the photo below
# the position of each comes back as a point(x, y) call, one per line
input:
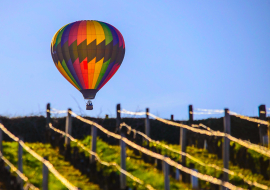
point(89, 107)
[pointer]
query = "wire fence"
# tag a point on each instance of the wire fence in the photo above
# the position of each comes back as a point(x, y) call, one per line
point(41, 159)
point(101, 161)
point(247, 144)
point(194, 128)
point(27, 185)
point(201, 176)
point(209, 111)
point(240, 175)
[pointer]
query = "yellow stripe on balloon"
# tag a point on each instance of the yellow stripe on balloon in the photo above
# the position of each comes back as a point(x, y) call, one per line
point(55, 36)
point(98, 66)
point(63, 72)
point(99, 32)
point(91, 32)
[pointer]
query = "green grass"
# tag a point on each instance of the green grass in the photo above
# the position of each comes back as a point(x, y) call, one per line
point(134, 164)
point(32, 168)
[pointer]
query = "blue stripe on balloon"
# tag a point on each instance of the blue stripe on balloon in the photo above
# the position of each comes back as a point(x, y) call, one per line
point(65, 34)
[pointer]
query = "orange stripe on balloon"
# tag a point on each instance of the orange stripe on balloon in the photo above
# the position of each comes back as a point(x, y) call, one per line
point(98, 66)
point(91, 32)
point(81, 32)
point(91, 70)
point(84, 69)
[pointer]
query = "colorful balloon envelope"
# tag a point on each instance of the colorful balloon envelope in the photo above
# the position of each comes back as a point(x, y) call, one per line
point(88, 53)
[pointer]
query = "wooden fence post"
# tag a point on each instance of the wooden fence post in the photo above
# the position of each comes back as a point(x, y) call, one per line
point(45, 176)
point(147, 124)
point(94, 142)
point(48, 115)
point(263, 129)
point(165, 168)
point(1, 139)
point(226, 145)
point(68, 127)
point(20, 152)
point(177, 172)
point(118, 117)
point(183, 142)
point(48, 120)
point(20, 161)
point(205, 144)
point(123, 148)
point(194, 181)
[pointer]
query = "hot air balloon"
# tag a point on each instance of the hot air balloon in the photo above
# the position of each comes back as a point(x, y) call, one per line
point(88, 53)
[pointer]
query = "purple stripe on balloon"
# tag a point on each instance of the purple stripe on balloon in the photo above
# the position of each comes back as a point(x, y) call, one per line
point(73, 32)
point(119, 37)
point(109, 68)
point(73, 73)
point(65, 34)
point(111, 73)
point(114, 34)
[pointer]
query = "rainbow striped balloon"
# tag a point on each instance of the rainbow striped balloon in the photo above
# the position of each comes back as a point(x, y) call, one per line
point(88, 53)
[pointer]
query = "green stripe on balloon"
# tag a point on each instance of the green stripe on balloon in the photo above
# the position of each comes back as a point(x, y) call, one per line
point(59, 36)
point(107, 32)
point(69, 74)
point(102, 72)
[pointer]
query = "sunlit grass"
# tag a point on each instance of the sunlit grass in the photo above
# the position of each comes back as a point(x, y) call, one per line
point(32, 168)
point(134, 164)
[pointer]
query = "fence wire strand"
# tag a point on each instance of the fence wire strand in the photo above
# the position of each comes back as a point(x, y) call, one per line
point(247, 144)
point(101, 161)
point(20, 174)
point(204, 177)
point(38, 157)
point(240, 175)
point(250, 119)
point(209, 111)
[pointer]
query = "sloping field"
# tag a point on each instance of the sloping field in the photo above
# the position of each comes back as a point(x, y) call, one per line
point(32, 168)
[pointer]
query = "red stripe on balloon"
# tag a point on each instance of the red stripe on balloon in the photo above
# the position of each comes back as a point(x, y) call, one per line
point(84, 69)
point(81, 32)
point(78, 71)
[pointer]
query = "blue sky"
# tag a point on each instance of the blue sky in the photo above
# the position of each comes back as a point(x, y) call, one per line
point(212, 54)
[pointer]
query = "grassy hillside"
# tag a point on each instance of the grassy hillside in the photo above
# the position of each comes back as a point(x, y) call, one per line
point(248, 162)
point(32, 168)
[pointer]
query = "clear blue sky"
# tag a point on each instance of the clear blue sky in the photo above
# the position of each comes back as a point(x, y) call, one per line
point(212, 54)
